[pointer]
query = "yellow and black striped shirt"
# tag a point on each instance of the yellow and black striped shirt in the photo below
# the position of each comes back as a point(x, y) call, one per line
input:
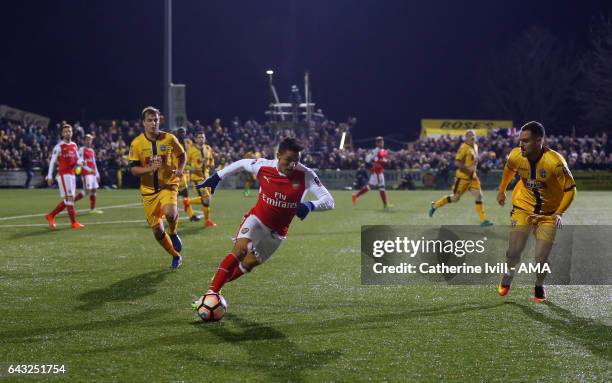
point(543, 181)
point(142, 151)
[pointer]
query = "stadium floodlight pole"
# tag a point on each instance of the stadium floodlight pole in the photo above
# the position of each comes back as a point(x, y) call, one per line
point(270, 73)
point(307, 95)
point(168, 64)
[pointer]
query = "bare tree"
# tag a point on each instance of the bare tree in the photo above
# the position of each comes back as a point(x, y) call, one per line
point(533, 79)
point(595, 89)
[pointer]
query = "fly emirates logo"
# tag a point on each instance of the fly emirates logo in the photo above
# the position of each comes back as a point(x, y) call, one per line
point(279, 200)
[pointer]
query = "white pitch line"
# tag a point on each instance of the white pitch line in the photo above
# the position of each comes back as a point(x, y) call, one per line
point(143, 221)
point(78, 211)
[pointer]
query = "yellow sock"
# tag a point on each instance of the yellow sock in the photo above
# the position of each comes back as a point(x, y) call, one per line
point(172, 226)
point(189, 210)
point(166, 243)
point(480, 210)
point(442, 201)
point(206, 210)
point(196, 200)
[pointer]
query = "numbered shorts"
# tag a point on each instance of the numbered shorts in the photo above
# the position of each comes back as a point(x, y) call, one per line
point(462, 185)
point(377, 179)
point(67, 185)
point(90, 181)
point(264, 241)
point(152, 205)
point(543, 226)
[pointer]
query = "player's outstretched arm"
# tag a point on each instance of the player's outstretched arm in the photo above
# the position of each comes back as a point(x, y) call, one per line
point(247, 165)
point(211, 182)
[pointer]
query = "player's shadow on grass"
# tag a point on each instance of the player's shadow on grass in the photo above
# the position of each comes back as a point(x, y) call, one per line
point(39, 231)
point(366, 321)
point(128, 289)
point(272, 352)
point(44, 332)
point(597, 337)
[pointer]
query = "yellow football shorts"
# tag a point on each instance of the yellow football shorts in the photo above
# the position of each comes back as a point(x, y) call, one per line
point(543, 226)
point(183, 182)
point(152, 205)
point(462, 185)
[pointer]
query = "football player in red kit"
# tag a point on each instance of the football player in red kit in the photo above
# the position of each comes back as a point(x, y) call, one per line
point(377, 177)
point(284, 184)
point(66, 153)
point(89, 174)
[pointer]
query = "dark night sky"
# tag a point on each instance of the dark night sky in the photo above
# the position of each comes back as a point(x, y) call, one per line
point(390, 63)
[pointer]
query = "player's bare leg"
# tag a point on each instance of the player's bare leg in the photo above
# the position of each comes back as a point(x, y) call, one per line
point(478, 205)
point(164, 240)
point(516, 244)
point(542, 251)
point(172, 216)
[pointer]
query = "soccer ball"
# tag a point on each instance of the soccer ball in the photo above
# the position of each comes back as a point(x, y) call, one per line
point(211, 307)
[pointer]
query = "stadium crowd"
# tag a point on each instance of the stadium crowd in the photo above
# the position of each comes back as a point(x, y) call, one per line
point(28, 147)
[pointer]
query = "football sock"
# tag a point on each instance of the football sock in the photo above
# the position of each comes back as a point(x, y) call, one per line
point(92, 201)
point(236, 273)
point(442, 201)
point(60, 206)
point(541, 276)
point(196, 200)
point(187, 206)
point(206, 210)
point(79, 196)
point(227, 264)
point(166, 243)
point(480, 210)
point(507, 278)
point(383, 196)
point(71, 212)
point(362, 191)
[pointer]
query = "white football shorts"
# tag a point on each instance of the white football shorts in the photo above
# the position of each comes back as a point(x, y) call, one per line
point(264, 240)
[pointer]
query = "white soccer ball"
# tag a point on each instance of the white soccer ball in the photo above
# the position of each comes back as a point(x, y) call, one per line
point(211, 307)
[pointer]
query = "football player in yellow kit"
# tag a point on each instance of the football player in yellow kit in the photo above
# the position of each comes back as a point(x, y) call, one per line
point(159, 160)
point(181, 135)
point(201, 159)
point(466, 162)
point(544, 192)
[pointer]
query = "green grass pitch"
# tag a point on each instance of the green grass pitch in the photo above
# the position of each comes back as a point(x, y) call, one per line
point(102, 301)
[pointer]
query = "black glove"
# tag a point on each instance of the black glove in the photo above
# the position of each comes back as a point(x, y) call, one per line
point(211, 182)
point(303, 209)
